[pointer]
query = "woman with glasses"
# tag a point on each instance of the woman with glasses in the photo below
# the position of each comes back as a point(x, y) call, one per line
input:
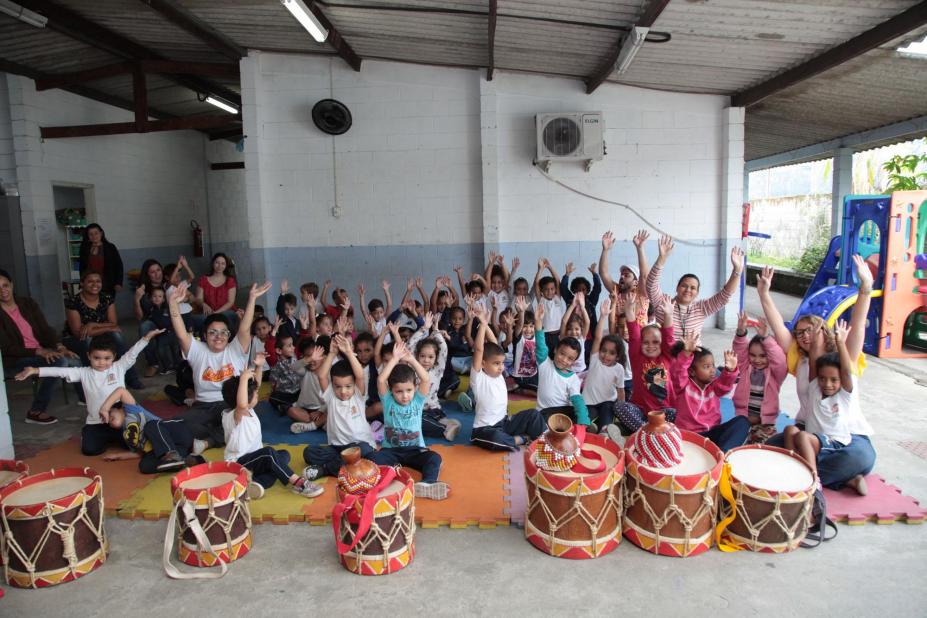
point(809, 339)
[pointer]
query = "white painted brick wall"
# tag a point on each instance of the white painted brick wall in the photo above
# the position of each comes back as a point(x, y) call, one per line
point(227, 220)
point(7, 160)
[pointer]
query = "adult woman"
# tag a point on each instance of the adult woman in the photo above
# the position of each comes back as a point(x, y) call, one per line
point(102, 256)
point(26, 340)
point(216, 291)
point(809, 339)
point(151, 276)
point(689, 314)
point(90, 313)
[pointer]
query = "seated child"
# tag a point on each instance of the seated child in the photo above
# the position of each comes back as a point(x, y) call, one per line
point(166, 347)
point(99, 380)
point(757, 398)
point(173, 277)
point(498, 277)
point(163, 445)
point(375, 312)
point(699, 389)
point(262, 340)
point(287, 375)
point(459, 353)
point(580, 285)
point(524, 361)
point(834, 410)
point(343, 391)
point(558, 387)
point(493, 428)
point(650, 349)
point(403, 443)
point(575, 324)
point(287, 312)
point(547, 295)
point(443, 298)
point(244, 444)
point(431, 353)
point(308, 413)
point(604, 384)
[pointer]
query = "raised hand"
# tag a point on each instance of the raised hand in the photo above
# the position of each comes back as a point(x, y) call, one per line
point(429, 321)
point(284, 286)
point(841, 330)
point(737, 259)
point(742, 321)
point(458, 269)
point(568, 269)
point(179, 293)
point(258, 291)
point(310, 302)
point(667, 306)
point(260, 359)
point(593, 268)
point(640, 238)
point(690, 342)
point(541, 263)
point(418, 282)
point(361, 290)
point(764, 280)
point(492, 257)
point(343, 344)
point(579, 299)
point(316, 356)
point(608, 240)
point(666, 246)
point(539, 313)
point(515, 264)
point(139, 292)
point(730, 360)
point(604, 306)
point(862, 273)
point(410, 284)
point(630, 307)
point(344, 325)
point(154, 333)
point(762, 327)
point(500, 259)
point(385, 285)
point(521, 304)
point(400, 350)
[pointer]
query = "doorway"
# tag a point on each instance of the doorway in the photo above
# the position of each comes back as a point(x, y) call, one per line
point(71, 213)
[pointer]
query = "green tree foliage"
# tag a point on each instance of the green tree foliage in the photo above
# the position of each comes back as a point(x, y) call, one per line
point(903, 174)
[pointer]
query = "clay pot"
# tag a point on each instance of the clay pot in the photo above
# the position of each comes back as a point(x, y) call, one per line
point(357, 475)
point(557, 448)
point(658, 443)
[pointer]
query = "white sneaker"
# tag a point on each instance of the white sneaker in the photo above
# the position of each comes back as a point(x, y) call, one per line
point(451, 429)
point(255, 490)
point(303, 427)
point(465, 402)
point(432, 491)
point(309, 489)
point(199, 446)
point(311, 473)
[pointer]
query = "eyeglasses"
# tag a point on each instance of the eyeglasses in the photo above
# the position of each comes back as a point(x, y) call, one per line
point(801, 332)
point(215, 332)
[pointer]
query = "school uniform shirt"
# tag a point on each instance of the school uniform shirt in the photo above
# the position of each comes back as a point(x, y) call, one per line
point(243, 438)
point(437, 370)
point(310, 393)
point(838, 416)
point(602, 382)
point(211, 369)
point(502, 298)
point(347, 421)
point(553, 313)
point(579, 365)
point(491, 398)
point(403, 424)
point(97, 385)
point(554, 388)
point(133, 427)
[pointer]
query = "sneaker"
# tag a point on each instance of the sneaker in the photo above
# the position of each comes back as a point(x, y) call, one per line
point(165, 372)
point(378, 431)
point(432, 491)
point(447, 394)
point(614, 434)
point(193, 460)
point(465, 401)
point(82, 403)
point(302, 427)
point(451, 429)
point(592, 428)
point(175, 394)
point(311, 473)
point(308, 489)
point(170, 461)
point(151, 371)
point(255, 490)
point(199, 446)
point(40, 418)
point(189, 401)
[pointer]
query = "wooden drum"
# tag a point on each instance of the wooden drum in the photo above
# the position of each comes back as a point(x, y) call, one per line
point(217, 491)
point(53, 524)
point(382, 540)
point(773, 491)
point(574, 514)
point(671, 511)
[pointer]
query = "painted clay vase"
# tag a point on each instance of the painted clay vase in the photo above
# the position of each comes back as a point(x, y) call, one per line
point(658, 443)
point(358, 475)
point(557, 448)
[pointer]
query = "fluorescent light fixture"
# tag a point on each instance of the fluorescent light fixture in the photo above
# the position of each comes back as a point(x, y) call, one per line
point(629, 48)
point(309, 21)
point(23, 14)
point(915, 48)
point(222, 105)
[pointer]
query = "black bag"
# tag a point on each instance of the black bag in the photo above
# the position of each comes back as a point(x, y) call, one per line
point(817, 532)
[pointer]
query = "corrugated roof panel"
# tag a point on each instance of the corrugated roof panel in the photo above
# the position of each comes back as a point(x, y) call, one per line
point(555, 48)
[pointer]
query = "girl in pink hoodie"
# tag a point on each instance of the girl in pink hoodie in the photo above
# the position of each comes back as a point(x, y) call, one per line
point(699, 388)
point(757, 394)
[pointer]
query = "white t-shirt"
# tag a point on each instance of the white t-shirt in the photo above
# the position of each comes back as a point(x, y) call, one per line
point(502, 299)
point(378, 327)
point(243, 438)
point(838, 416)
point(553, 313)
point(579, 365)
point(184, 307)
point(211, 369)
point(347, 421)
point(491, 398)
point(555, 390)
point(602, 383)
point(97, 385)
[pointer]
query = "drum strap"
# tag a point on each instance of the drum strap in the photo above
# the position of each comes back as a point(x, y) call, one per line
point(203, 544)
point(728, 494)
point(579, 432)
point(366, 519)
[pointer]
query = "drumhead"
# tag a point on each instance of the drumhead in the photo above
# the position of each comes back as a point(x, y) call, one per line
point(695, 460)
point(610, 459)
point(209, 480)
point(393, 488)
point(768, 469)
point(45, 491)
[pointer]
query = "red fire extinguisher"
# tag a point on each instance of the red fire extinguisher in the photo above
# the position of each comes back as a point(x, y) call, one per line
point(197, 238)
point(745, 220)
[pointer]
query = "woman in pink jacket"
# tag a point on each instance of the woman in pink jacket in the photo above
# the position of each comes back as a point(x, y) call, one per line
point(757, 392)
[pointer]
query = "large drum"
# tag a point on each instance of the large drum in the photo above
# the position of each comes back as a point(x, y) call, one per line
point(12, 470)
point(574, 514)
point(671, 511)
point(217, 493)
point(773, 493)
point(53, 524)
point(381, 540)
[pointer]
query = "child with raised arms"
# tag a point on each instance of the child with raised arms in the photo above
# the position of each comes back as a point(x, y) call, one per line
point(559, 389)
point(604, 384)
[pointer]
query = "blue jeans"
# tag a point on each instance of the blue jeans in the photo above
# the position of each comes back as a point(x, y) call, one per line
point(328, 457)
point(836, 467)
point(730, 434)
point(425, 461)
point(44, 393)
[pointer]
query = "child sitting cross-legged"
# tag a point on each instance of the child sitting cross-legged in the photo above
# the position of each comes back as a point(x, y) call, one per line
point(308, 413)
point(287, 374)
point(493, 428)
point(243, 440)
point(764, 368)
point(431, 353)
point(575, 324)
point(403, 442)
point(343, 389)
point(604, 384)
point(558, 387)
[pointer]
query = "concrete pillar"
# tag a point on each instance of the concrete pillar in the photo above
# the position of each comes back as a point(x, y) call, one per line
point(489, 150)
point(842, 187)
point(251, 107)
point(733, 190)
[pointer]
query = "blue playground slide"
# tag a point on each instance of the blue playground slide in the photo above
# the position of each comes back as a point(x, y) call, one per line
point(823, 296)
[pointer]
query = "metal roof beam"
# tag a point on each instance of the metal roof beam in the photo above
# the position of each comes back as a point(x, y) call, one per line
point(493, 10)
point(166, 67)
point(182, 18)
point(896, 27)
point(149, 126)
point(336, 40)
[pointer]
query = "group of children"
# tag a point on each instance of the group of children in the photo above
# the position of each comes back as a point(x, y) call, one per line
point(604, 364)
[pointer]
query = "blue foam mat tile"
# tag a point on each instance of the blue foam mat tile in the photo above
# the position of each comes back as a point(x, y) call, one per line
point(727, 413)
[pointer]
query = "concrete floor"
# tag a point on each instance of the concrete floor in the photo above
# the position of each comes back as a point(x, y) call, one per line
point(867, 570)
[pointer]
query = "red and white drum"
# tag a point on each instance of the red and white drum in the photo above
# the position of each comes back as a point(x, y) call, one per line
point(773, 493)
point(671, 511)
point(12, 470)
point(53, 524)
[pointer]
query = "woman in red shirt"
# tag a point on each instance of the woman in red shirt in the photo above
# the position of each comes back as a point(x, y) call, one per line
point(217, 290)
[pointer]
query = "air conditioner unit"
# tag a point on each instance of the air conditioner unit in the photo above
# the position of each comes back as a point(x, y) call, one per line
point(572, 136)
